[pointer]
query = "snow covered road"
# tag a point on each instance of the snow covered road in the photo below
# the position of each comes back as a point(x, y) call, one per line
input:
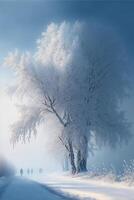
point(59, 187)
point(22, 189)
point(88, 189)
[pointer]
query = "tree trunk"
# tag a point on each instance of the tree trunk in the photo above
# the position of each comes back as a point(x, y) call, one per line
point(66, 166)
point(78, 161)
point(82, 156)
point(71, 157)
point(81, 163)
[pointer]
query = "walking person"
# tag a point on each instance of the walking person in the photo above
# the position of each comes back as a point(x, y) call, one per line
point(28, 171)
point(31, 171)
point(21, 172)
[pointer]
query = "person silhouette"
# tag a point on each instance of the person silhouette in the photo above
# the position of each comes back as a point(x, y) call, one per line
point(28, 171)
point(31, 171)
point(40, 170)
point(21, 172)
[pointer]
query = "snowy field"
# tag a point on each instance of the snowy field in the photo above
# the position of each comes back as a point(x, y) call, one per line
point(86, 188)
point(63, 187)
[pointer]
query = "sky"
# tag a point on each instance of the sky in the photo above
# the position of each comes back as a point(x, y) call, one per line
point(21, 23)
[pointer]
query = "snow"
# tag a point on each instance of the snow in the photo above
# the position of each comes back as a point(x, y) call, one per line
point(23, 189)
point(3, 184)
point(63, 186)
point(86, 188)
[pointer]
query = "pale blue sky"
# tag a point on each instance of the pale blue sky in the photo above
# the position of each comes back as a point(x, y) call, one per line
point(21, 22)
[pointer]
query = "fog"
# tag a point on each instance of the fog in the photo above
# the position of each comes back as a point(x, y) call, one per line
point(116, 157)
point(37, 153)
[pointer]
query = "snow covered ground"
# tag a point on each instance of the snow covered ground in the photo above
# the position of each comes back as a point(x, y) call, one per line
point(4, 182)
point(86, 188)
point(63, 187)
point(23, 189)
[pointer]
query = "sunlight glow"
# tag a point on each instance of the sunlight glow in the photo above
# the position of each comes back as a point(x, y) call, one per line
point(8, 114)
point(33, 154)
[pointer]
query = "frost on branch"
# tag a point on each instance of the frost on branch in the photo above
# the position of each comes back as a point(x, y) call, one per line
point(27, 124)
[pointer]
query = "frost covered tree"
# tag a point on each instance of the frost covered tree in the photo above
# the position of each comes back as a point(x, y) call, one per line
point(94, 83)
point(77, 74)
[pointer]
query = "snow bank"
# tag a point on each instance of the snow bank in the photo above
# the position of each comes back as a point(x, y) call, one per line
point(6, 169)
point(85, 187)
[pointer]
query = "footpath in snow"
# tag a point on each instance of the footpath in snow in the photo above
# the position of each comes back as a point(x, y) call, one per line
point(86, 188)
point(62, 187)
point(23, 189)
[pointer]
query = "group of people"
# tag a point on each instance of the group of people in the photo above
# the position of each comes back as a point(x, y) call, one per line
point(30, 171)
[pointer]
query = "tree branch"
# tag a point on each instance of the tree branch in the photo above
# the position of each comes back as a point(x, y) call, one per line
point(64, 144)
